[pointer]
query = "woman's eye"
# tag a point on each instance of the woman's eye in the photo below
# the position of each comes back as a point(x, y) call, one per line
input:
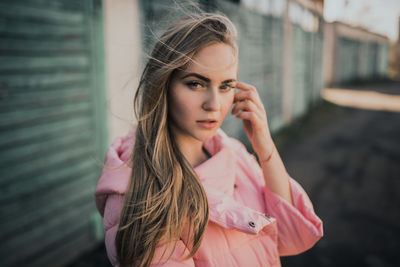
point(194, 85)
point(226, 87)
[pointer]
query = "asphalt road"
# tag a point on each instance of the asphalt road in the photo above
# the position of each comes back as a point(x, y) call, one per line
point(351, 169)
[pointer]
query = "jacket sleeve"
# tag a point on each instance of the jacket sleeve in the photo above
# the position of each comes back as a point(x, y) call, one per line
point(110, 220)
point(299, 228)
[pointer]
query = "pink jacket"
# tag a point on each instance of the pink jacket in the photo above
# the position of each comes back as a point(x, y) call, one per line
point(249, 225)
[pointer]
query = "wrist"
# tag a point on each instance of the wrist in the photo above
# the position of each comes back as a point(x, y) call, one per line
point(266, 156)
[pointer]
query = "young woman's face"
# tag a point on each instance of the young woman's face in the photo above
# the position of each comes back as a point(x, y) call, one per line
point(201, 96)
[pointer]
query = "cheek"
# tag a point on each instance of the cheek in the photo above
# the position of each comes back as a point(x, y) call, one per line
point(227, 103)
point(177, 109)
point(181, 105)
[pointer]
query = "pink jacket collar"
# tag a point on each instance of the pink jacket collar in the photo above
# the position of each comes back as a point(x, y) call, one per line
point(219, 170)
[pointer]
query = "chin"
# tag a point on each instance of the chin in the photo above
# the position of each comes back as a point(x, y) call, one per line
point(206, 135)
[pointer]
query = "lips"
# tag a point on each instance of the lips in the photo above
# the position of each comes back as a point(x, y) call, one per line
point(207, 124)
point(210, 120)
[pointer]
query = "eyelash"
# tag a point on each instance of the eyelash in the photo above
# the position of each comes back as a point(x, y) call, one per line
point(190, 84)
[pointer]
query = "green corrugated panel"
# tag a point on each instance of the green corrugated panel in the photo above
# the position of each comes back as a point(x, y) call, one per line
point(53, 130)
point(309, 69)
point(306, 69)
point(358, 60)
point(383, 60)
point(350, 60)
point(372, 59)
point(299, 71)
point(317, 67)
point(314, 68)
point(275, 45)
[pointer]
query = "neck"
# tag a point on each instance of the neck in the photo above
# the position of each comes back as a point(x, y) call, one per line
point(192, 149)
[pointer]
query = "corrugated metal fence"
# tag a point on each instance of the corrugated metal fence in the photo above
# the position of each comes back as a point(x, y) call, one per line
point(360, 60)
point(52, 129)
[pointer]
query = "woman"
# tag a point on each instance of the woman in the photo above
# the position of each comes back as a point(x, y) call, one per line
point(177, 191)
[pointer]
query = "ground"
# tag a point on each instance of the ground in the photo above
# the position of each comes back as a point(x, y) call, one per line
point(350, 166)
point(348, 161)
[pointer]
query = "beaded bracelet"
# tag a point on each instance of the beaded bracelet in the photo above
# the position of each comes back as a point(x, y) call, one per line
point(272, 152)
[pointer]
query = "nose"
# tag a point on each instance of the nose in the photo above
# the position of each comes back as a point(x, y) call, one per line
point(211, 100)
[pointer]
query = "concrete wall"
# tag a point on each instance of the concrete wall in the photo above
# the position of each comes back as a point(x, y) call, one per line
point(122, 60)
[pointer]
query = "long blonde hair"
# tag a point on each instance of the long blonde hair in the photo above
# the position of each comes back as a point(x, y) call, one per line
point(164, 194)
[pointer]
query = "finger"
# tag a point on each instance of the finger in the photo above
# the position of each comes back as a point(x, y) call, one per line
point(249, 95)
point(245, 105)
point(248, 115)
point(246, 89)
point(245, 86)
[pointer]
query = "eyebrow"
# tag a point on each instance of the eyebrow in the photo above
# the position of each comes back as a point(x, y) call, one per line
point(205, 78)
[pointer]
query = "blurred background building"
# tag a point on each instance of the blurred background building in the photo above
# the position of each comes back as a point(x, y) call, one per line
point(353, 54)
point(68, 73)
point(394, 58)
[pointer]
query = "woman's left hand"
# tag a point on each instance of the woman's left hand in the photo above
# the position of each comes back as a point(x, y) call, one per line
point(255, 121)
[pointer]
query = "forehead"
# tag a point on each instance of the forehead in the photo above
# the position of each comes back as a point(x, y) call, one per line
point(215, 60)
